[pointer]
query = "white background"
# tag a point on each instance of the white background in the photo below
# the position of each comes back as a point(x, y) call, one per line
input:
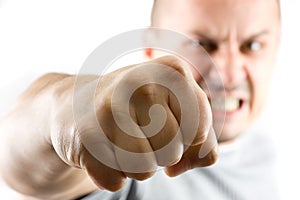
point(39, 36)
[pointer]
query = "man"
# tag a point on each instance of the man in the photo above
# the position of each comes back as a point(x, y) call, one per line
point(241, 37)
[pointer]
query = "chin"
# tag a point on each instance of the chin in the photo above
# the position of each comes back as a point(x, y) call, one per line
point(227, 133)
point(225, 138)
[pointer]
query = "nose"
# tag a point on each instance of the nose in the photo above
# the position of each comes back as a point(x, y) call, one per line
point(230, 65)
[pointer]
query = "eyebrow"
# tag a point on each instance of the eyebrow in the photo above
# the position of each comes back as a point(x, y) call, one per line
point(255, 35)
point(259, 34)
point(197, 33)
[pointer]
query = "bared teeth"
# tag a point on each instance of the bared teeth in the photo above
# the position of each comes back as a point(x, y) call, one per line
point(225, 104)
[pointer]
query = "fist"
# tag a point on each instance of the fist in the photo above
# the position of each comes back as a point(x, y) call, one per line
point(134, 120)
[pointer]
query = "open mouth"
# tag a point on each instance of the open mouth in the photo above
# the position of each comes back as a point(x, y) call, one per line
point(226, 104)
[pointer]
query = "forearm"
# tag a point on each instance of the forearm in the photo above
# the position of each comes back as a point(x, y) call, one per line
point(29, 163)
point(47, 137)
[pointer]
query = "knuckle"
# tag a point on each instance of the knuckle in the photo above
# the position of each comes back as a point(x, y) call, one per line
point(130, 144)
point(106, 107)
point(200, 138)
point(173, 62)
point(210, 159)
point(133, 162)
point(169, 160)
point(103, 176)
point(104, 113)
point(150, 91)
point(112, 184)
point(140, 176)
point(171, 153)
point(205, 116)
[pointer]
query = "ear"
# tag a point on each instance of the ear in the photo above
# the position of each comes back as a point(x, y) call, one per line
point(149, 40)
point(149, 53)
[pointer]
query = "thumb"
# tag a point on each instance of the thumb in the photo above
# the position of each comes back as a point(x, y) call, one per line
point(202, 155)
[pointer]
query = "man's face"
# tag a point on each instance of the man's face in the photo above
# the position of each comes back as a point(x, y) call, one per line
point(241, 36)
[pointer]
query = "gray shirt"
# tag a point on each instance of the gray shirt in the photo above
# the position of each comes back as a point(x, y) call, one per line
point(244, 171)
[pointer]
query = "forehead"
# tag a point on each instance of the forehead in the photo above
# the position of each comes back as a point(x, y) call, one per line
point(216, 15)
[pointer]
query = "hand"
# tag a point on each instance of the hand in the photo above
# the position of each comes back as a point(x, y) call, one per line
point(123, 124)
point(141, 117)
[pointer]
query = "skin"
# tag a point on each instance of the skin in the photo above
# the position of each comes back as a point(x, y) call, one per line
point(45, 122)
point(66, 168)
point(229, 36)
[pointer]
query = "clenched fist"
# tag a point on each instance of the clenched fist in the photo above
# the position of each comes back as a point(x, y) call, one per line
point(123, 124)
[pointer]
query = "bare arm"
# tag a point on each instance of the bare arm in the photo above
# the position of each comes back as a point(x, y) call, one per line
point(29, 163)
point(45, 152)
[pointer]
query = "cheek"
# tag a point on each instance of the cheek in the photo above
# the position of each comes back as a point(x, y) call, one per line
point(195, 73)
point(260, 76)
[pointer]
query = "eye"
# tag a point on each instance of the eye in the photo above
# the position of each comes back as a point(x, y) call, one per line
point(251, 46)
point(209, 46)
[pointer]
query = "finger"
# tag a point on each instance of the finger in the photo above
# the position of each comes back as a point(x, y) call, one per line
point(196, 130)
point(194, 114)
point(96, 155)
point(132, 151)
point(210, 144)
point(205, 114)
point(188, 101)
point(194, 157)
point(103, 176)
point(166, 141)
point(174, 74)
point(135, 156)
